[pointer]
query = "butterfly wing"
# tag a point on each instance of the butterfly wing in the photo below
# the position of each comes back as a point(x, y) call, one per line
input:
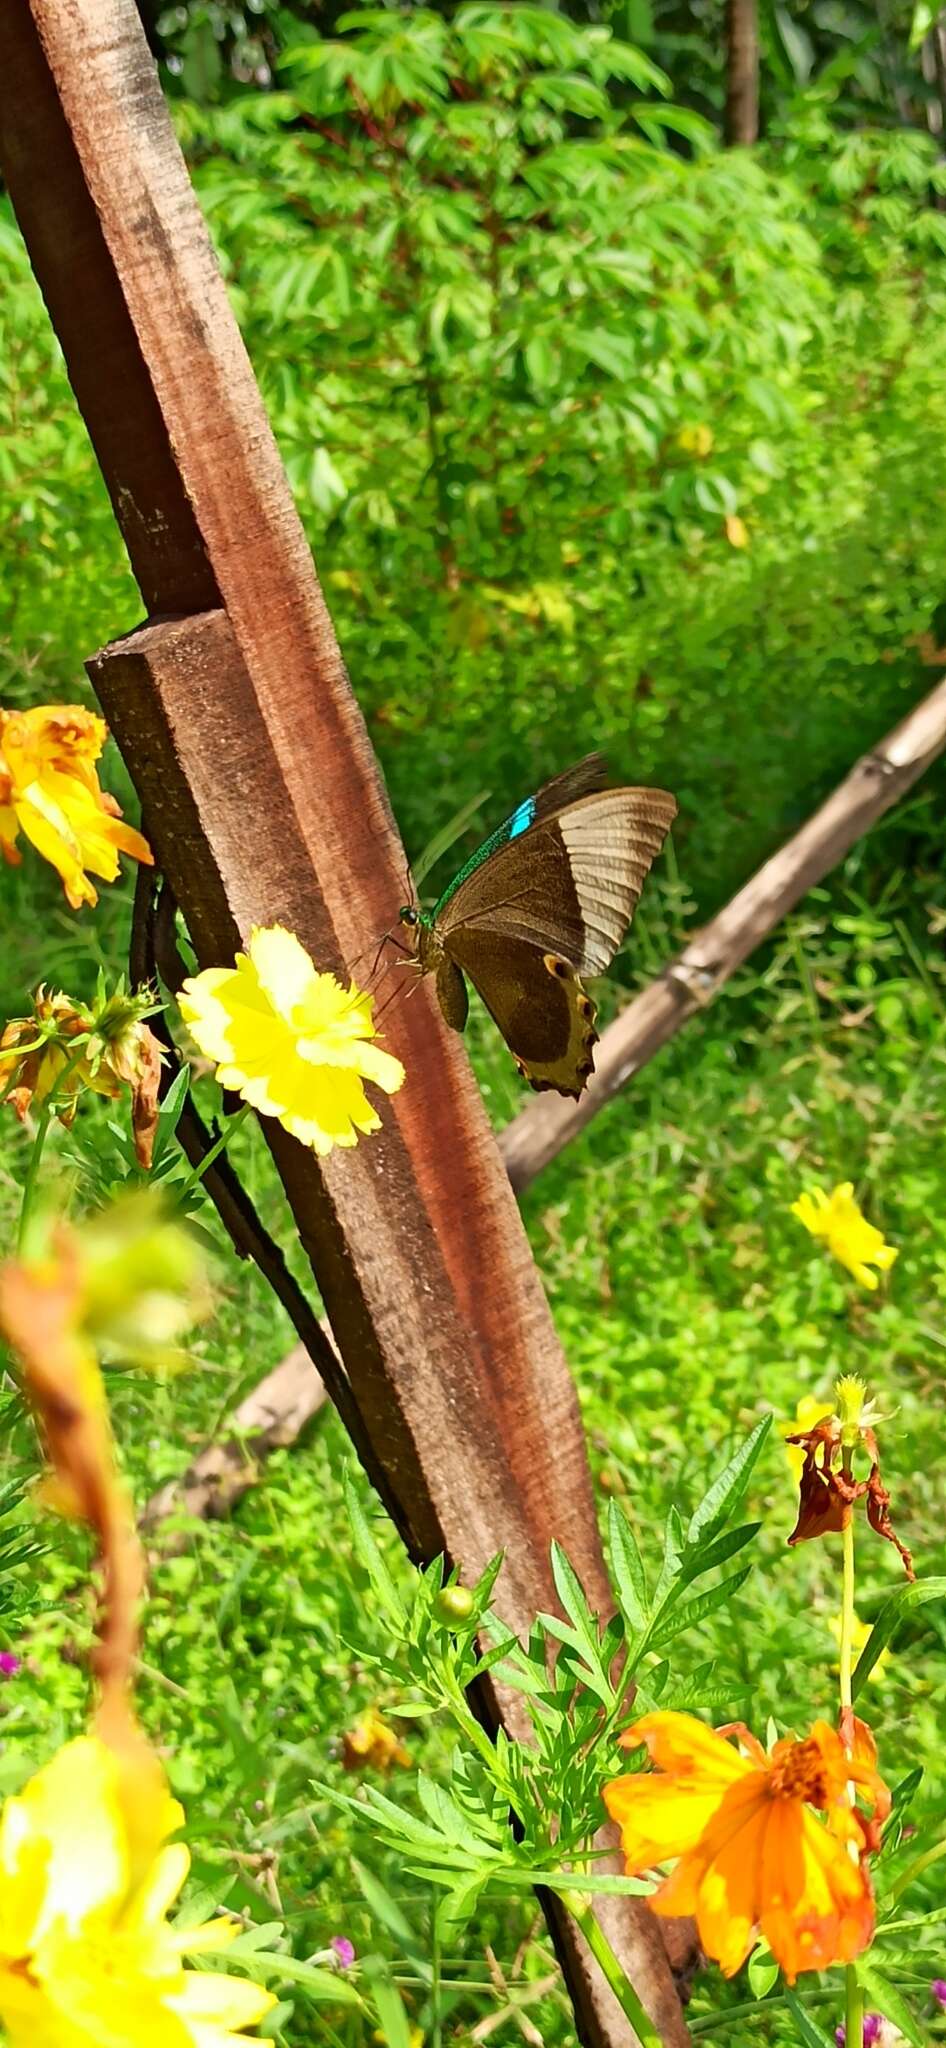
point(579, 781)
point(537, 1001)
point(570, 884)
point(546, 907)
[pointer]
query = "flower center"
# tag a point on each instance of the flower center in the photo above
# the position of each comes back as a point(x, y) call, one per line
point(799, 1774)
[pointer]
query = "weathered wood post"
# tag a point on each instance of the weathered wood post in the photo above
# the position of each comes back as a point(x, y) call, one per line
point(263, 801)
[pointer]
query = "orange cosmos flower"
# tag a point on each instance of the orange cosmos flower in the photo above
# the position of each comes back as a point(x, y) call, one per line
point(50, 791)
point(751, 1855)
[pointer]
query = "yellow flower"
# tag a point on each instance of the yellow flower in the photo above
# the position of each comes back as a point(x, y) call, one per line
point(808, 1411)
point(696, 440)
point(859, 1638)
point(291, 1041)
point(49, 791)
point(373, 1742)
point(837, 1219)
point(88, 1958)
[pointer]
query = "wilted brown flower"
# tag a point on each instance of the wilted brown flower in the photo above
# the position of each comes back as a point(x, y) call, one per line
point(65, 1047)
point(828, 1488)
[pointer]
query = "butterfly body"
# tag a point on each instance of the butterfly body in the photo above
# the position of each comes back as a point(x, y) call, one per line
point(546, 899)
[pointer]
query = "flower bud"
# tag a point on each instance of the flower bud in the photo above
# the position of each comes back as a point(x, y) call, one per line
point(454, 1604)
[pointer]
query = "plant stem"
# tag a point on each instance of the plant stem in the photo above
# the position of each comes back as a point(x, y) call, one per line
point(853, 2008)
point(607, 1961)
point(853, 1995)
point(197, 1172)
point(846, 1658)
point(436, 2026)
point(43, 1121)
point(32, 1174)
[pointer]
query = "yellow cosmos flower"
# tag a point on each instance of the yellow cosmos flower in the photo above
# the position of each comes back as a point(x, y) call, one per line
point(294, 1043)
point(49, 791)
point(808, 1411)
point(837, 1219)
point(88, 1958)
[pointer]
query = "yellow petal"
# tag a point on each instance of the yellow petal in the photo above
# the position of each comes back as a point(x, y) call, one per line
point(227, 2002)
point(282, 965)
point(658, 1818)
point(71, 1809)
point(727, 1908)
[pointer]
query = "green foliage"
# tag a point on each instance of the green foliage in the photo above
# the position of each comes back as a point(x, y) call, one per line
point(516, 1815)
point(542, 374)
point(529, 341)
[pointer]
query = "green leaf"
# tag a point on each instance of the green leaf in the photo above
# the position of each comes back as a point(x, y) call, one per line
point(901, 1603)
point(323, 1987)
point(457, 1907)
point(627, 1567)
point(807, 2029)
point(672, 1559)
point(389, 1914)
point(451, 831)
point(169, 1115)
point(715, 1553)
point(885, 1997)
point(572, 1596)
point(717, 1505)
point(371, 1558)
point(762, 1971)
point(693, 1611)
point(388, 2004)
point(797, 45)
point(925, 17)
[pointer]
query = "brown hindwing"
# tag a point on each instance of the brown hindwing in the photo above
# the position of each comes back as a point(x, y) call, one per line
point(538, 1003)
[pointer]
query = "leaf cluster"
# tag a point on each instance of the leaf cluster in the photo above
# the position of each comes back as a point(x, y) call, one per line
point(525, 1808)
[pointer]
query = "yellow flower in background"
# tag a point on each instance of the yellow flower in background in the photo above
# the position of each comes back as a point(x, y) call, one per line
point(838, 1221)
point(50, 791)
point(859, 1637)
point(809, 1410)
point(294, 1043)
point(88, 1958)
point(372, 1741)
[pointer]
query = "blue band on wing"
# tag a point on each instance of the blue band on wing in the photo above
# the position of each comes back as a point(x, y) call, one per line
point(522, 817)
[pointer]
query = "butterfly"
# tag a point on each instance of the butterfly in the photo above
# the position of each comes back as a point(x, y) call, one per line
point(545, 900)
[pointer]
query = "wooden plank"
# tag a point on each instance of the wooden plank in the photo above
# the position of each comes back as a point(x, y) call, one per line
point(264, 803)
point(695, 977)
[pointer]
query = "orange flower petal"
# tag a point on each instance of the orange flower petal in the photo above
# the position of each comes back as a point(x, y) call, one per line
point(727, 1906)
point(658, 1818)
point(677, 1743)
point(817, 1906)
